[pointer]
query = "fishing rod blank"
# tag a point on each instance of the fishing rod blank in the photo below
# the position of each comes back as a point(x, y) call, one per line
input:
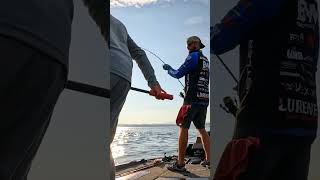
point(161, 61)
point(227, 68)
point(161, 96)
point(154, 55)
point(101, 92)
point(88, 89)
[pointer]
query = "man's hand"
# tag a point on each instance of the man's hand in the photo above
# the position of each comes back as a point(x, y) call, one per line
point(167, 67)
point(156, 91)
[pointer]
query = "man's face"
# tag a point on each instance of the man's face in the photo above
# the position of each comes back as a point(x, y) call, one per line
point(192, 46)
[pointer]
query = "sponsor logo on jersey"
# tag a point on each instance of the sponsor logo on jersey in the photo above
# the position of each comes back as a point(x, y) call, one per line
point(203, 95)
point(307, 14)
point(297, 37)
point(294, 54)
point(298, 106)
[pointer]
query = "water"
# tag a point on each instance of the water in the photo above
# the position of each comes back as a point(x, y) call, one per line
point(136, 142)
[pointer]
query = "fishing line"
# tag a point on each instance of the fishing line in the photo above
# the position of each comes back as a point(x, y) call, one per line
point(227, 68)
point(230, 105)
point(161, 61)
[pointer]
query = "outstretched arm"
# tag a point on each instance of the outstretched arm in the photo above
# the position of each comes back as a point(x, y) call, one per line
point(190, 64)
point(143, 62)
point(239, 21)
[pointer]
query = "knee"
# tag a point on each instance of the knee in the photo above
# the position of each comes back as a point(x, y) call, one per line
point(184, 130)
point(203, 132)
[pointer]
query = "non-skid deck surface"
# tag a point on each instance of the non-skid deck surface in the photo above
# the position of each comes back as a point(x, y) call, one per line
point(160, 172)
point(182, 179)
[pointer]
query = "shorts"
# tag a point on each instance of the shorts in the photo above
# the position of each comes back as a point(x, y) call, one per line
point(195, 114)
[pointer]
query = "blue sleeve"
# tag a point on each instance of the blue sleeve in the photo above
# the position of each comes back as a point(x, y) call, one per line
point(239, 21)
point(190, 64)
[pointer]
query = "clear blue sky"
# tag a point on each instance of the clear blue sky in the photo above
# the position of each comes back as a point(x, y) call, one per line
point(161, 26)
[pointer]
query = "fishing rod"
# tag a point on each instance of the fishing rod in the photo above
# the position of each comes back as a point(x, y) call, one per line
point(161, 96)
point(105, 93)
point(161, 61)
point(227, 68)
point(88, 89)
point(230, 105)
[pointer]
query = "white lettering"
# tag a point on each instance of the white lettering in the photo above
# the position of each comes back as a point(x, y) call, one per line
point(298, 106)
point(202, 95)
point(294, 54)
point(290, 105)
point(307, 12)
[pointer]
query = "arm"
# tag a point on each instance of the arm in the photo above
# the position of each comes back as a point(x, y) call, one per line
point(189, 65)
point(239, 21)
point(98, 11)
point(143, 62)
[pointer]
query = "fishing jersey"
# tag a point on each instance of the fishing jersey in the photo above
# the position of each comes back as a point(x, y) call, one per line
point(279, 44)
point(196, 72)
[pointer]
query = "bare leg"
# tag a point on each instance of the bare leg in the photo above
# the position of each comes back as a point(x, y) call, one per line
point(183, 142)
point(206, 142)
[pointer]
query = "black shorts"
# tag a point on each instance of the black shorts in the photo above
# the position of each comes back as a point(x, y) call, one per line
point(197, 115)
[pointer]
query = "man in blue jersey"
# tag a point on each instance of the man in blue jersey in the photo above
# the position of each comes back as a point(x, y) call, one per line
point(279, 44)
point(195, 69)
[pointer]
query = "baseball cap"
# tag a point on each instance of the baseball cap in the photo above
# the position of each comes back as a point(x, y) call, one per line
point(195, 39)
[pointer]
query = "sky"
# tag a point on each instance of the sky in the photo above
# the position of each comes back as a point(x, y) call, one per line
point(161, 26)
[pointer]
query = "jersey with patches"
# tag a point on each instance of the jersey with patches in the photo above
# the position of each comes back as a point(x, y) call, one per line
point(278, 62)
point(196, 72)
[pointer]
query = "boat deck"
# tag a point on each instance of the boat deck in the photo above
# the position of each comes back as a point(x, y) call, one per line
point(153, 170)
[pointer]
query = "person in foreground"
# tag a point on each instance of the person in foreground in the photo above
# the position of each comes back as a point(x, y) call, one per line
point(34, 43)
point(278, 115)
point(122, 50)
point(195, 69)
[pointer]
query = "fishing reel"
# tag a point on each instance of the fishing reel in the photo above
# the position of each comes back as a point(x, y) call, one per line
point(230, 105)
point(182, 95)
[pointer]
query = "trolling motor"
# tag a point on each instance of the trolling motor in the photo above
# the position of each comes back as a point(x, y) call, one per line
point(230, 105)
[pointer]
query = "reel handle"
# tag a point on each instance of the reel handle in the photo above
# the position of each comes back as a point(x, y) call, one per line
point(163, 96)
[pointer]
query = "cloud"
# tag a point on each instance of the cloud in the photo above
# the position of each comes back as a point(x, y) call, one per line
point(194, 20)
point(134, 3)
point(141, 3)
